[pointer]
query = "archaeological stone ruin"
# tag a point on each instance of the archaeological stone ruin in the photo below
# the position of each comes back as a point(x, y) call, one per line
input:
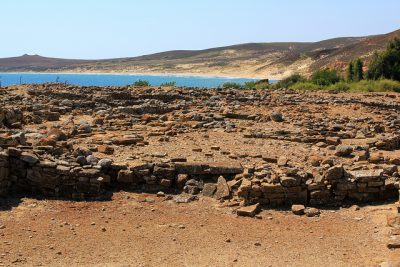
point(258, 148)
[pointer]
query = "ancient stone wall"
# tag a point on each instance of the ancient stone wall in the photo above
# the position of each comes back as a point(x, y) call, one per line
point(22, 171)
point(294, 147)
point(4, 174)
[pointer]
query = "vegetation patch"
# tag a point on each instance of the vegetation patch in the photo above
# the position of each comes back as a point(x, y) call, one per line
point(168, 84)
point(141, 83)
point(383, 75)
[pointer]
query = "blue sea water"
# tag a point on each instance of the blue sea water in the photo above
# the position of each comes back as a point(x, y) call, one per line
point(113, 80)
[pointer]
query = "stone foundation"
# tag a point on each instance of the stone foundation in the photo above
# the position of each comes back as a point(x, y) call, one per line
point(22, 171)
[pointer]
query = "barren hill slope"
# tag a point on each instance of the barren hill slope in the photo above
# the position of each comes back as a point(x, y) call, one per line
point(272, 60)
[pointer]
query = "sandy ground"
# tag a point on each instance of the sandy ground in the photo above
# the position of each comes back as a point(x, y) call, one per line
point(145, 230)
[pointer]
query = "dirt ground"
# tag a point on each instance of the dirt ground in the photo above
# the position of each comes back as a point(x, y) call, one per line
point(146, 230)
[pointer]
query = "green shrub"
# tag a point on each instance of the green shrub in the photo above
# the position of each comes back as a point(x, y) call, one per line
point(232, 85)
point(340, 87)
point(142, 83)
point(325, 77)
point(305, 86)
point(262, 85)
point(375, 86)
point(168, 84)
point(292, 79)
point(389, 85)
point(257, 85)
point(250, 85)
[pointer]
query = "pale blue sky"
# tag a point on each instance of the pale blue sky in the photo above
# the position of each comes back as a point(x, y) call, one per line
point(120, 28)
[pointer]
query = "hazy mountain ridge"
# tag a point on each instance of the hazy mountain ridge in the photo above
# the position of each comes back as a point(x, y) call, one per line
point(273, 60)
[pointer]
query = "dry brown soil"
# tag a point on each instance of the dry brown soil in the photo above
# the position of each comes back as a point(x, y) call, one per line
point(132, 230)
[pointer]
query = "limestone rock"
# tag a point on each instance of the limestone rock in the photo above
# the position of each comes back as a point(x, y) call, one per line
point(334, 173)
point(214, 168)
point(289, 181)
point(343, 151)
point(209, 189)
point(393, 220)
point(249, 211)
point(312, 212)
point(105, 149)
point(276, 116)
point(223, 190)
point(29, 158)
point(125, 176)
point(105, 163)
point(298, 209)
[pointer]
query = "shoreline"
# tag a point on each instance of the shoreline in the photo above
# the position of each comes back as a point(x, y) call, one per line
point(185, 75)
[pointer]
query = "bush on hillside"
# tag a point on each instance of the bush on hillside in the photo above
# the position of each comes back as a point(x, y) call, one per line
point(305, 86)
point(340, 87)
point(292, 79)
point(257, 85)
point(375, 86)
point(325, 77)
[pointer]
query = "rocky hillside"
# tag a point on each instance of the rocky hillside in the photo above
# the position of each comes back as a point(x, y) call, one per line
point(272, 60)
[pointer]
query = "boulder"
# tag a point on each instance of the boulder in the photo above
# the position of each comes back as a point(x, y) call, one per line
point(105, 163)
point(209, 189)
point(181, 180)
point(53, 116)
point(105, 149)
point(393, 220)
point(289, 181)
point(312, 212)
point(81, 160)
point(82, 151)
point(343, 151)
point(125, 176)
point(298, 209)
point(91, 159)
point(223, 190)
point(334, 173)
point(282, 161)
point(29, 158)
point(276, 116)
point(166, 182)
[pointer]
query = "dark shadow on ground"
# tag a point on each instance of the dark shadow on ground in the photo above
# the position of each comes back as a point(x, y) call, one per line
point(9, 202)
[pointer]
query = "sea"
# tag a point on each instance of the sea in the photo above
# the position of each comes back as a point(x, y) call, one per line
point(7, 79)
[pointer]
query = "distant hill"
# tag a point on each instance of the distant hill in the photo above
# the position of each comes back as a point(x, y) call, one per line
point(271, 60)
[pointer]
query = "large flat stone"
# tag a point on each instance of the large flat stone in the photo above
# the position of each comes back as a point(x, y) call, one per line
point(213, 168)
point(29, 158)
point(366, 175)
point(249, 211)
